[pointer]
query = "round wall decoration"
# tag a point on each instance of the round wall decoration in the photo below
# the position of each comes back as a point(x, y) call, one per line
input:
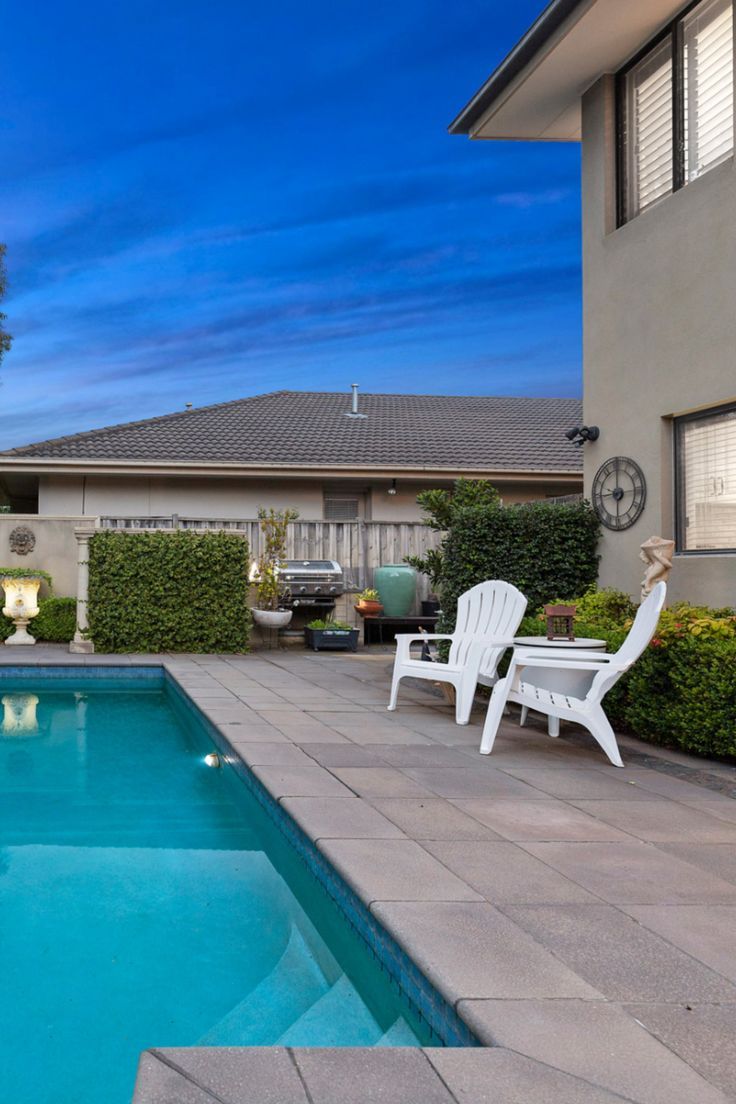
point(22, 540)
point(619, 492)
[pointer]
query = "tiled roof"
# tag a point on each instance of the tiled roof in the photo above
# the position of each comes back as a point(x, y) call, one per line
point(311, 428)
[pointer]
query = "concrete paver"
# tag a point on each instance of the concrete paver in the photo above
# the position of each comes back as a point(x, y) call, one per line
point(598, 1042)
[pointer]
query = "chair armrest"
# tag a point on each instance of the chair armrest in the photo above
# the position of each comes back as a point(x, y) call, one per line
point(563, 655)
point(404, 642)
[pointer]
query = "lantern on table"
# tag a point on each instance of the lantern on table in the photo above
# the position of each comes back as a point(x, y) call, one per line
point(560, 622)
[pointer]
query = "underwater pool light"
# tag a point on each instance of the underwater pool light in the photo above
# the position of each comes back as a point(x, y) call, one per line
point(213, 759)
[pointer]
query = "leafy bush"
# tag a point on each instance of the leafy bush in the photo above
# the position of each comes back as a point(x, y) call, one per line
point(56, 621)
point(169, 591)
point(684, 695)
point(542, 548)
point(441, 508)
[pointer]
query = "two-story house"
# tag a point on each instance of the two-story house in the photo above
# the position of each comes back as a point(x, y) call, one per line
point(647, 87)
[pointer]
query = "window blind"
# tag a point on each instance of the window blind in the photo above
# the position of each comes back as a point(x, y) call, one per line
point(648, 123)
point(707, 482)
point(708, 85)
point(341, 508)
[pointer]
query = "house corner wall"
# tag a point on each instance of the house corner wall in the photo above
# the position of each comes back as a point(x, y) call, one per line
point(659, 339)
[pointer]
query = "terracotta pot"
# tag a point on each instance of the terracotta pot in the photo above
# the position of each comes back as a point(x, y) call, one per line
point(369, 607)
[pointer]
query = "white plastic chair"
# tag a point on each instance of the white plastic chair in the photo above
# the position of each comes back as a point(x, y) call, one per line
point(518, 685)
point(488, 615)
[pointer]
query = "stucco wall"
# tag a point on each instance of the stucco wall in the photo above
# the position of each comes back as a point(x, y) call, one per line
point(659, 339)
point(55, 550)
point(234, 498)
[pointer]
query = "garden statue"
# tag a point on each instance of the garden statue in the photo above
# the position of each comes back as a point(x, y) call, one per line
point(657, 554)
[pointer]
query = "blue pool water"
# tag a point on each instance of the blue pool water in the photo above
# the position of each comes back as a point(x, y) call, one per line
point(148, 900)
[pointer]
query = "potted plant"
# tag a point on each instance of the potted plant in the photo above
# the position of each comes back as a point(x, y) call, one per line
point(369, 604)
point(337, 636)
point(271, 592)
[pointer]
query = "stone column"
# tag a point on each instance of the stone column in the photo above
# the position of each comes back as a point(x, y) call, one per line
point(80, 643)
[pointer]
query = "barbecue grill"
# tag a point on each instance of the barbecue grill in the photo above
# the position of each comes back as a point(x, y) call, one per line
point(314, 583)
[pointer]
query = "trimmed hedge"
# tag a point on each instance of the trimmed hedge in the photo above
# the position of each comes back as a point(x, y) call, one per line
point(543, 548)
point(169, 591)
point(56, 621)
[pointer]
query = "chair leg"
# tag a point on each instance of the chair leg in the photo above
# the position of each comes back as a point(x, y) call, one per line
point(553, 725)
point(394, 691)
point(600, 728)
point(464, 698)
point(494, 714)
point(523, 716)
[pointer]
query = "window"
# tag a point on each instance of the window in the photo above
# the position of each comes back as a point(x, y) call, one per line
point(342, 507)
point(675, 104)
point(706, 481)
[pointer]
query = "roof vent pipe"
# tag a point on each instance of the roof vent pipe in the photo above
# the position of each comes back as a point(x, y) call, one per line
point(354, 412)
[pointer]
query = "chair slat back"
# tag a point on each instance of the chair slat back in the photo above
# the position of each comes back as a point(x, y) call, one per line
point(639, 636)
point(644, 626)
point(493, 608)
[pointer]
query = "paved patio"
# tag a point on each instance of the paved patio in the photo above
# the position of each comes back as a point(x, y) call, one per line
point(579, 917)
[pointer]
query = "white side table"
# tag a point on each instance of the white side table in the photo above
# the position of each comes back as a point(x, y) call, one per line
point(575, 683)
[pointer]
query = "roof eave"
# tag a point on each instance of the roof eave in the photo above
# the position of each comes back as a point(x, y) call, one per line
point(522, 55)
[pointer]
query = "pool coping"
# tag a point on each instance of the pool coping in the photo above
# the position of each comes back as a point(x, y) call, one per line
point(236, 1075)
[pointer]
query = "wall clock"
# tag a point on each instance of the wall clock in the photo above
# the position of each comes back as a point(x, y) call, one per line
point(619, 492)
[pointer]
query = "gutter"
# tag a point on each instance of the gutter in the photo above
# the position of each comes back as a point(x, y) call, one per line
point(39, 466)
point(526, 49)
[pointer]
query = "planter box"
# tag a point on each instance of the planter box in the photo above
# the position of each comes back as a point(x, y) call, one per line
point(336, 640)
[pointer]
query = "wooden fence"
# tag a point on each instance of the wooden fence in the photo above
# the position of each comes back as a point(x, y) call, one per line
point(358, 546)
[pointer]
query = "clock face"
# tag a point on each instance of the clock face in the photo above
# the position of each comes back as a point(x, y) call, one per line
point(619, 492)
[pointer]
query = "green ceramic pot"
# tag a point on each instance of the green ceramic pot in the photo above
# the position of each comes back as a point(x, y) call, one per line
point(397, 585)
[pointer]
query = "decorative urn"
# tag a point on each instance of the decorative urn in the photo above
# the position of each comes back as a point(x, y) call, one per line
point(21, 605)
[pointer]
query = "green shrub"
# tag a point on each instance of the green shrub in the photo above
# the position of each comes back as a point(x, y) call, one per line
point(56, 621)
point(684, 695)
point(543, 548)
point(169, 591)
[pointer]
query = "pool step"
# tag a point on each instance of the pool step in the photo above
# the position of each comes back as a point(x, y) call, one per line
point(339, 1018)
point(270, 1008)
point(399, 1035)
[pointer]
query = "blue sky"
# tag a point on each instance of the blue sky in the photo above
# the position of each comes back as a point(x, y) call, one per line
point(205, 201)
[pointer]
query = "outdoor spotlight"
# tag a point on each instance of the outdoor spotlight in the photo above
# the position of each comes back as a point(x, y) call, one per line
point(213, 759)
point(580, 434)
point(392, 488)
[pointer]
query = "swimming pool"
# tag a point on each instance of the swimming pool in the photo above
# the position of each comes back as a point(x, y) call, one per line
point(147, 899)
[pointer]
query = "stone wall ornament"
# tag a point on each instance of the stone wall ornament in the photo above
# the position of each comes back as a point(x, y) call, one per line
point(22, 540)
point(656, 553)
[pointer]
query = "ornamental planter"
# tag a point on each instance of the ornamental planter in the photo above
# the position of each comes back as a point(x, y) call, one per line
point(272, 619)
point(336, 640)
point(396, 585)
point(21, 604)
